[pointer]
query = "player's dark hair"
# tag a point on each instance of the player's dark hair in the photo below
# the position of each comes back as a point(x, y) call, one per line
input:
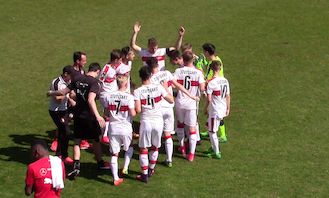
point(152, 41)
point(215, 65)
point(145, 73)
point(187, 57)
point(67, 69)
point(152, 62)
point(93, 67)
point(40, 142)
point(210, 48)
point(115, 54)
point(77, 56)
point(125, 51)
point(174, 54)
point(186, 46)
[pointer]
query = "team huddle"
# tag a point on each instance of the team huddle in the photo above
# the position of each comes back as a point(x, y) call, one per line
point(168, 104)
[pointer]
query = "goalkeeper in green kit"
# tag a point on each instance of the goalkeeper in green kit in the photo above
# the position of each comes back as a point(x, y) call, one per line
point(202, 62)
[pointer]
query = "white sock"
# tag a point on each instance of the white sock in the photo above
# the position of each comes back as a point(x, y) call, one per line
point(169, 145)
point(180, 136)
point(197, 130)
point(106, 128)
point(128, 155)
point(214, 141)
point(114, 167)
point(154, 153)
point(192, 141)
point(144, 161)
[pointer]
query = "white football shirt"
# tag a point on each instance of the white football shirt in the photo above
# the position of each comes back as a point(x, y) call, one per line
point(219, 88)
point(190, 78)
point(58, 84)
point(150, 97)
point(159, 54)
point(118, 104)
point(158, 79)
point(108, 79)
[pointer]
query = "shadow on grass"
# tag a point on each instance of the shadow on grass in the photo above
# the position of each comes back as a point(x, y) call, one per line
point(20, 153)
point(88, 170)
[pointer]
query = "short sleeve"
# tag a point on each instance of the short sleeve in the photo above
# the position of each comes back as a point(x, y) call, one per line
point(208, 89)
point(201, 77)
point(94, 87)
point(228, 88)
point(164, 93)
point(136, 94)
point(29, 180)
point(175, 74)
point(170, 76)
point(71, 86)
point(131, 103)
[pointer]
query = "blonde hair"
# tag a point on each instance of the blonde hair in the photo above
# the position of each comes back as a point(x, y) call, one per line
point(122, 80)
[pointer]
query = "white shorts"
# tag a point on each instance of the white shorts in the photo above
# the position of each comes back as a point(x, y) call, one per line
point(187, 116)
point(213, 123)
point(117, 140)
point(168, 120)
point(150, 133)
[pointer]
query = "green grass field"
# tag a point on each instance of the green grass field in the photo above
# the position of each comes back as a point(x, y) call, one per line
point(275, 55)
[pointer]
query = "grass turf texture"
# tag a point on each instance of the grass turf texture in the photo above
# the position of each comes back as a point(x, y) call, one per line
point(275, 55)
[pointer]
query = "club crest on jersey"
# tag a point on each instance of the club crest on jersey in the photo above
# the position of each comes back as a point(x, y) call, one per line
point(43, 171)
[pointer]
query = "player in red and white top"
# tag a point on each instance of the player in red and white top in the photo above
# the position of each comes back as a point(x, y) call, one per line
point(119, 108)
point(148, 99)
point(152, 47)
point(177, 59)
point(39, 174)
point(217, 106)
point(108, 75)
point(127, 56)
point(186, 108)
point(109, 84)
point(167, 79)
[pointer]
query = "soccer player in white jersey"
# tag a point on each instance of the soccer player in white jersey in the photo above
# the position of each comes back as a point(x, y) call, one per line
point(166, 78)
point(152, 47)
point(58, 110)
point(109, 83)
point(217, 106)
point(186, 109)
point(108, 75)
point(119, 108)
point(127, 56)
point(148, 99)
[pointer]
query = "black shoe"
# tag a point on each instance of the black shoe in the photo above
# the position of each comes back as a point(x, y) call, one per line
point(142, 178)
point(103, 165)
point(73, 174)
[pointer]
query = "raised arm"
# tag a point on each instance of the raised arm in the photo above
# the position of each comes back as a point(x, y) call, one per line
point(179, 41)
point(137, 28)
